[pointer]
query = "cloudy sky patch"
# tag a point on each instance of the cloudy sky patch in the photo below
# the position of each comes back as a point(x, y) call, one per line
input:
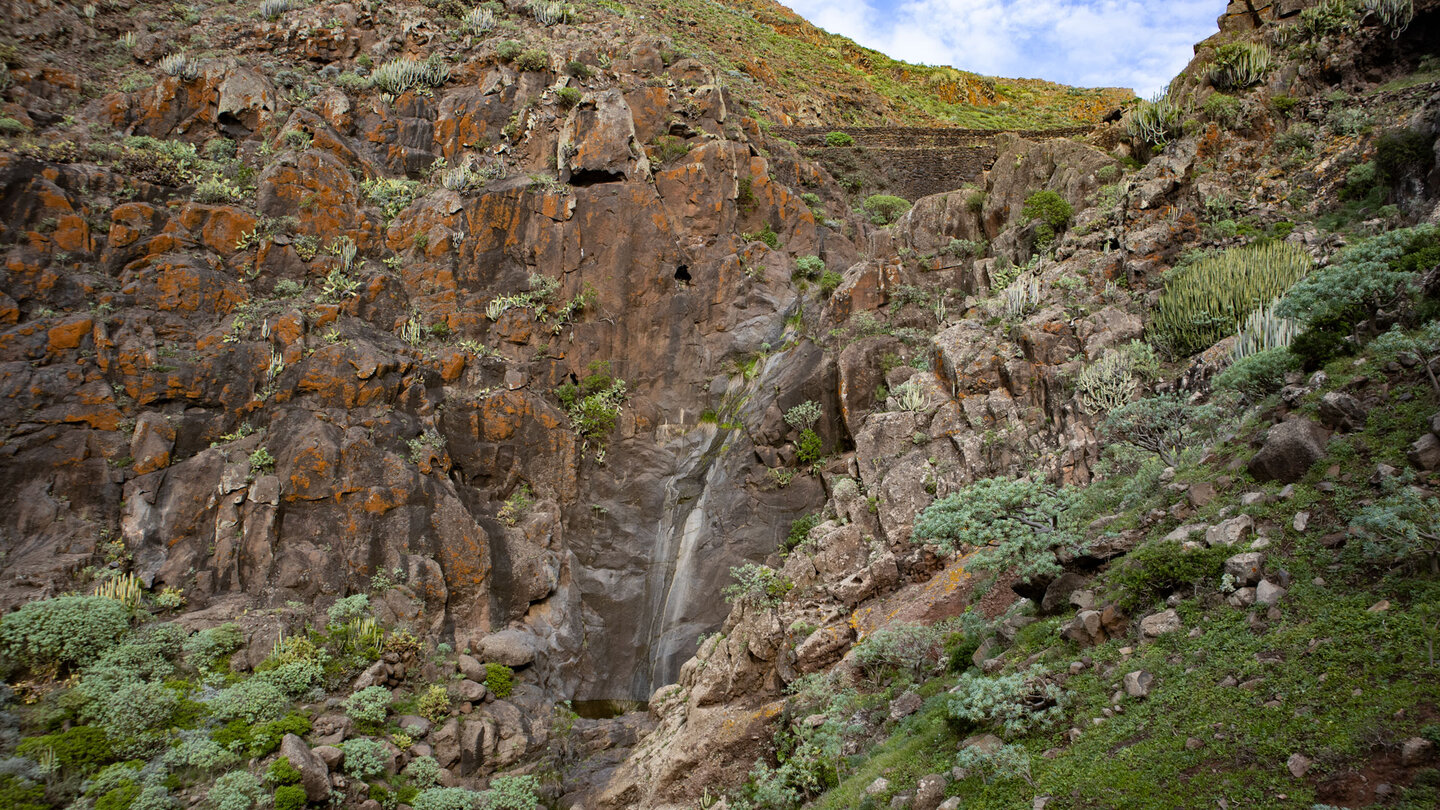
point(1091, 43)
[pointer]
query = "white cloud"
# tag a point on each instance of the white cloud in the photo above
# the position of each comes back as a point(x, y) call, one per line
point(1139, 44)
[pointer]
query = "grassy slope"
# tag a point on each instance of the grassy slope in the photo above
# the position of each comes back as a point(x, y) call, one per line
point(1338, 683)
point(798, 66)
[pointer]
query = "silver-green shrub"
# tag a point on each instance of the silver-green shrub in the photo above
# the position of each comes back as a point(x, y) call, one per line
point(1011, 705)
point(72, 630)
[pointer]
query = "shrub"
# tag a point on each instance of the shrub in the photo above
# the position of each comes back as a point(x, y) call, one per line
point(199, 751)
point(800, 529)
point(1372, 275)
point(365, 758)
point(884, 208)
point(568, 97)
point(1205, 301)
point(760, 584)
point(1404, 524)
point(423, 772)
point(369, 705)
point(532, 60)
point(1051, 211)
point(508, 50)
point(1004, 762)
point(282, 772)
point(79, 749)
point(512, 793)
point(254, 700)
point(216, 190)
point(766, 235)
point(809, 448)
point(1223, 109)
point(237, 790)
point(1259, 375)
point(1164, 425)
point(290, 797)
point(579, 69)
point(434, 703)
point(830, 281)
point(446, 799)
point(838, 138)
point(136, 716)
point(72, 630)
point(351, 607)
point(1011, 705)
point(912, 648)
point(1014, 524)
point(809, 266)
point(1239, 64)
point(499, 679)
point(1154, 570)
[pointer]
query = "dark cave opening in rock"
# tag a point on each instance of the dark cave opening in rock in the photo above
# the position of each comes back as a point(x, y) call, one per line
point(682, 273)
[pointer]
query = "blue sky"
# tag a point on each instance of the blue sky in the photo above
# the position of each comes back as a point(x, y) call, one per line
point(1140, 44)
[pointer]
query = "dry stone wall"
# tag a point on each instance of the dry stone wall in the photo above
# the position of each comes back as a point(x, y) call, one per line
point(915, 162)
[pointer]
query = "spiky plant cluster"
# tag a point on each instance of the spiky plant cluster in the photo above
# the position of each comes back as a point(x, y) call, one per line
point(1395, 14)
point(1208, 300)
point(125, 589)
point(275, 9)
point(479, 20)
point(911, 396)
point(1239, 64)
point(179, 65)
point(1263, 330)
point(398, 75)
point(550, 12)
point(1108, 383)
point(1157, 120)
point(1022, 296)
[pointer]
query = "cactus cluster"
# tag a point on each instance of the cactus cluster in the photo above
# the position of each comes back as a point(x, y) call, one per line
point(1395, 14)
point(1209, 300)
point(1239, 64)
point(399, 75)
point(549, 12)
point(1262, 330)
point(1157, 120)
point(479, 20)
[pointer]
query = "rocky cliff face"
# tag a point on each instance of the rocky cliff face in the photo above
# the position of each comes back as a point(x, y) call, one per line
point(504, 324)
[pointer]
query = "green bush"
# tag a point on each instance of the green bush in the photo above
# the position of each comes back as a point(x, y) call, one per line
point(1365, 277)
point(838, 138)
point(1051, 211)
point(237, 790)
point(508, 50)
point(79, 749)
point(18, 793)
point(1010, 705)
point(1402, 526)
point(1164, 425)
point(1014, 524)
point(1154, 570)
point(568, 97)
point(282, 772)
point(884, 208)
point(907, 647)
point(368, 706)
point(351, 607)
point(423, 772)
point(1222, 109)
point(253, 700)
point(760, 584)
point(137, 716)
point(71, 630)
point(766, 235)
point(197, 750)
point(830, 281)
point(290, 797)
point(532, 60)
point(800, 529)
point(809, 267)
point(1205, 301)
point(499, 679)
point(434, 703)
point(204, 649)
point(1259, 375)
point(512, 793)
point(446, 799)
point(365, 758)
point(809, 448)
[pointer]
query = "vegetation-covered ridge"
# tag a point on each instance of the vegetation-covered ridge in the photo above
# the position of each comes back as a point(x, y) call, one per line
point(815, 78)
